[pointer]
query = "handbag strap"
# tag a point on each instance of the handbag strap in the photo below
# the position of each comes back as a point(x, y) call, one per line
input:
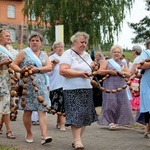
point(99, 85)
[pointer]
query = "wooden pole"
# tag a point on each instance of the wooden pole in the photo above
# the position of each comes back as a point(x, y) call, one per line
point(21, 36)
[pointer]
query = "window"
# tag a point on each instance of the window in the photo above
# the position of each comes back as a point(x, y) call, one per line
point(11, 11)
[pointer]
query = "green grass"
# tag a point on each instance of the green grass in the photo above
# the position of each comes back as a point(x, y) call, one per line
point(7, 148)
point(48, 48)
point(127, 54)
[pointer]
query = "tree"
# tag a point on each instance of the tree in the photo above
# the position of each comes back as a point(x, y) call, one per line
point(142, 29)
point(101, 19)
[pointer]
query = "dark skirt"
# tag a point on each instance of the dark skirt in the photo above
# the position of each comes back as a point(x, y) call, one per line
point(140, 118)
point(79, 107)
point(97, 94)
point(57, 100)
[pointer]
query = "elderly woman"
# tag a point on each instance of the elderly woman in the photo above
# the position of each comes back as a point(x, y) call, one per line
point(145, 88)
point(56, 85)
point(75, 66)
point(116, 109)
point(97, 94)
point(135, 102)
point(5, 56)
point(39, 64)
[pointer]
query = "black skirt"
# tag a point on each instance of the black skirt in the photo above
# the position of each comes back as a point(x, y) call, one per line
point(57, 100)
point(97, 94)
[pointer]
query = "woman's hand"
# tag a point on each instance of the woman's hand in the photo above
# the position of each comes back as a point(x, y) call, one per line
point(86, 75)
point(55, 61)
point(34, 69)
point(113, 72)
point(7, 62)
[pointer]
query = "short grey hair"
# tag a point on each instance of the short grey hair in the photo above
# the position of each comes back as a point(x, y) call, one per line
point(76, 36)
point(114, 47)
point(57, 43)
point(100, 54)
point(137, 49)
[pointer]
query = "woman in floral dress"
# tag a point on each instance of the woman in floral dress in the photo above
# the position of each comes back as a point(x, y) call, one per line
point(5, 87)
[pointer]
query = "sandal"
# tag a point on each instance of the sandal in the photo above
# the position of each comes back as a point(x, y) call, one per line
point(1, 131)
point(10, 135)
point(73, 145)
point(57, 126)
point(112, 126)
point(62, 128)
point(78, 145)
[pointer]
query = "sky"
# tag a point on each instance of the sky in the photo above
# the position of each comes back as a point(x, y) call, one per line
point(137, 13)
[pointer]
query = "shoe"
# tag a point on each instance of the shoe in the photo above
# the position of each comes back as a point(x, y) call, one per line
point(78, 145)
point(117, 126)
point(73, 145)
point(45, 140)
point(10, 135)
point(28, 140)
point(57, 126)
point(62, 129)
point(34, 123)
point(112, 126)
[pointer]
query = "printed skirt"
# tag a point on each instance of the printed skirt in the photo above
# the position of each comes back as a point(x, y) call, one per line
point(57, 100)
point(79, 107)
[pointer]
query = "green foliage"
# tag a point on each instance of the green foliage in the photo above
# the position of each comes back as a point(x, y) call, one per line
point(142, 29)
point(101, 19)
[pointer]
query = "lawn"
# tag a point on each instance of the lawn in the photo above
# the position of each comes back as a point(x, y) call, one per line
point(7, 148)
point(47, 49)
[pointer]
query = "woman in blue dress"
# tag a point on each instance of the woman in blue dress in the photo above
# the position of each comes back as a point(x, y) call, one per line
point(39, 64)
point(145, 88)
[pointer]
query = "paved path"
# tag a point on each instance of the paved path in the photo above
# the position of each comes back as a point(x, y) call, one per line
point(95, 138)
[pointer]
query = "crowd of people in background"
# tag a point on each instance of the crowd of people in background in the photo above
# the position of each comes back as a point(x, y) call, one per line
point(62, 81)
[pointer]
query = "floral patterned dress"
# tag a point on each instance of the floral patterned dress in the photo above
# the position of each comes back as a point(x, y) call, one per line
point(31, 96)
point(4, 87)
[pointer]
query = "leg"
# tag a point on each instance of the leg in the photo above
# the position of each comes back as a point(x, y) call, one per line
point(43, 126)
point(9, 132)
point(1, 124)
point(77, 137)
point(58, 122)
point(147, 127)
point(27, 123)
point(82, 130)
point(43, 123)
point(62, 123)
point(7, 122)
